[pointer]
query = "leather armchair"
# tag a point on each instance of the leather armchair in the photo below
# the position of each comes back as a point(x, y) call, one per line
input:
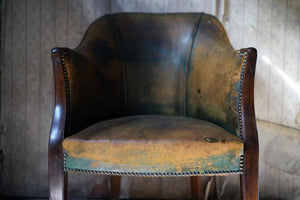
point(154, 95)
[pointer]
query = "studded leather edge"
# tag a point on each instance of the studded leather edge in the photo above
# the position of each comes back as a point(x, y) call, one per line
point(156, 174)
point(67, 85)
point(244, 55)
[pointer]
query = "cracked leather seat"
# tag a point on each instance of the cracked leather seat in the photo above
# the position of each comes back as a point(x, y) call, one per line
point(154, 145)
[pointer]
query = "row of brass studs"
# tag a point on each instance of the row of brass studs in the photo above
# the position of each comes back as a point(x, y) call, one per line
point(241, 163)
point(155, 174)
point(67, 86)
point(244, 55)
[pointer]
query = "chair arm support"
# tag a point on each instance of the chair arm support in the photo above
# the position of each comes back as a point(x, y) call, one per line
point(248, 127)
point(55, 152)
point(59, 114)
point(248, 122)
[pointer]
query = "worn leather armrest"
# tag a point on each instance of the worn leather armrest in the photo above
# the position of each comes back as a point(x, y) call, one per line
point(92, 87)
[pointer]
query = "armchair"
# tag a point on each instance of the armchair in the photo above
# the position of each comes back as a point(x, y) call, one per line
point(154, 95)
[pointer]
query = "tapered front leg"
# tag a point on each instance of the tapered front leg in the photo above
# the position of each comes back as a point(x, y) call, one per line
point(249, 185)
point(249, 178)
point(58, 180)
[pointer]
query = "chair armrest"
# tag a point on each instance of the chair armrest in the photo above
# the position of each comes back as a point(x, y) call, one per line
point(247, 119)
point(55, 151)
point(59, 114)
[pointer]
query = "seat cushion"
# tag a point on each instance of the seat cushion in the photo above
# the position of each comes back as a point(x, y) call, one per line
point(153, 145)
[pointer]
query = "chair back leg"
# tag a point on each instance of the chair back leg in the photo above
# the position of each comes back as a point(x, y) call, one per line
point(115, 186)
point(196, 187)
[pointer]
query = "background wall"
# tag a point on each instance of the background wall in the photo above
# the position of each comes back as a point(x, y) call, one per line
point(32, 27)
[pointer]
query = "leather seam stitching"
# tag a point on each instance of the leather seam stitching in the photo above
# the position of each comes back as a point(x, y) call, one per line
point(197, 24)
point(124, 75)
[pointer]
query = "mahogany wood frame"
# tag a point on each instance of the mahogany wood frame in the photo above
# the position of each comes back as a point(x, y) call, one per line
point(249, 178)
point(58, 179)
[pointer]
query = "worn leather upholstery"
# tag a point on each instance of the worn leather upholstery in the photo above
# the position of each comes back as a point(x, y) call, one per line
point(154, 144)
point(154, 95)
point(162, 64)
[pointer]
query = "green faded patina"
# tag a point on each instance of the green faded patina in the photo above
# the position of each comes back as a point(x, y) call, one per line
point(229, 161)
point(232, 99)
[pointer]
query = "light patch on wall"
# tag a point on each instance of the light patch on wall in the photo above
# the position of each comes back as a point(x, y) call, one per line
point(290, 82)
point(293, 84)
point(266, 59)
point(297, 119)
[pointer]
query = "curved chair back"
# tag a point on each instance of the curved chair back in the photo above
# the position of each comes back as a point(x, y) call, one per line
point(175, 64)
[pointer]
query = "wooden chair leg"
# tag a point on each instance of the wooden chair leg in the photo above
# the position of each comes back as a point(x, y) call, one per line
point(196, 187)
point(65, 186)
point(115, 187)
point(249, 182)
point(58, 183)
point(58, 179)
